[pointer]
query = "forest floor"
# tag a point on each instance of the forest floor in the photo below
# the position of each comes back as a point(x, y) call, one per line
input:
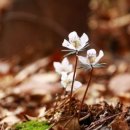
point(27, 92)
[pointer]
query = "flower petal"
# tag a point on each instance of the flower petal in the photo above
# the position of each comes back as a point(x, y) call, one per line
point(73, 36)
point(91, 52)
point(69, 68)
point(57, 66)
point(64, 76)
point(101, 54)
point(65, 64)
point(83, 60)
point(70, 76)
point(77, 85)
point(65, 61)
point(67, 45)
point(63, 83)
point(84, 40)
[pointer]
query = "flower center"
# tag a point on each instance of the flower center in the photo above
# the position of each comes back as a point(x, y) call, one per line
point(91, 59)
point(76, 43)
point(63, 69)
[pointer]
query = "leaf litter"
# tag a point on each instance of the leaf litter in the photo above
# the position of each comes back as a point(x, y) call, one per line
point(34, 94)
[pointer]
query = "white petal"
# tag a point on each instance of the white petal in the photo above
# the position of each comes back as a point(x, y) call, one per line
point(73, 36)
point(77, 85)
point(57, 66)
point(91, 52)
point(64, 76)
point(63, 67)
point(83, 60)
point(70, 68)
point(84, 40)
point(63, 84)
point(65, 61)
point(101, 54)
point(70, 76)
point(67, 45)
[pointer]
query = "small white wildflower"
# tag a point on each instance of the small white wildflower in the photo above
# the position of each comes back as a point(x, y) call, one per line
point(66, 81)
point(75, 42)
point(62, 67)
point(91, 59)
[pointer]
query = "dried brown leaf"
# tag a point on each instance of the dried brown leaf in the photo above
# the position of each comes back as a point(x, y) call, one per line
point(120, 84)
point(68, 124)
point(10, 120)
point(30, 69)
point(119, 123)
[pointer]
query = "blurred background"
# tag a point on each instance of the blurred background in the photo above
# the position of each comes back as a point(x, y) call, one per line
point(31, 35)
point(36, 28)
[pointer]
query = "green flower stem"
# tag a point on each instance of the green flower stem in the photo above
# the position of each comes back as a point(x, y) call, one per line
point(88, 84)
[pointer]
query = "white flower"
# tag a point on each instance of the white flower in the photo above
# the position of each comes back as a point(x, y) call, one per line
point(66, 81)
point(75, 42)
point(64, 66)
point(91, 59)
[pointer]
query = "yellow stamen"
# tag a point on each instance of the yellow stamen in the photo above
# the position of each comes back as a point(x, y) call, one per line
point(76, 44)
point(91, 59)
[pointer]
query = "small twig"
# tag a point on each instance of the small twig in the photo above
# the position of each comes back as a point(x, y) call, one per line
point(98, 122)
point(89, 81)
point(85, 117)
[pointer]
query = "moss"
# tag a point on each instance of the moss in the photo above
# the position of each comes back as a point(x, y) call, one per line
point(32, 125)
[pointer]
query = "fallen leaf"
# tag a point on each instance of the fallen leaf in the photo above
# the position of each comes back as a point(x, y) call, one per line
point(70, 123)
point(49, 77)
point(36, 88)
point(10, 120)
point(30, 69)
point(120, 84)
point(119, 123)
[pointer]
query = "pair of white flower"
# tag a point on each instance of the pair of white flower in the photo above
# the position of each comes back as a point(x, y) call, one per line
point(77, 43)
point(65, 69)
